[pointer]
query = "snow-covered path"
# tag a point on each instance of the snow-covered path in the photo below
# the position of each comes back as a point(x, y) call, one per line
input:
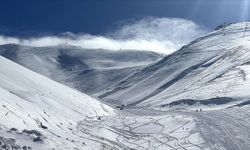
point(225, 129)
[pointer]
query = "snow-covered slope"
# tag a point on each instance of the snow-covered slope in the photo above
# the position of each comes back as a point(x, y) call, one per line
point(89, 71)
point(214, 69)
point(32, 104)
point(39, 113)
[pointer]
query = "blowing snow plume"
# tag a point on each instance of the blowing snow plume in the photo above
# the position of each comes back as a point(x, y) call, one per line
point(163, 35)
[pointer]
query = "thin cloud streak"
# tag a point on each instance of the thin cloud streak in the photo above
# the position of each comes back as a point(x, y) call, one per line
point(163, 35)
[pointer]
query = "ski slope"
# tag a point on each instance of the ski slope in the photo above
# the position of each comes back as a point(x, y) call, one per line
point(29, 101)
point(143, 129)
point(211, 75)
point(39, 113)
point(224, 129)
point(34, 107)
point(210, 71)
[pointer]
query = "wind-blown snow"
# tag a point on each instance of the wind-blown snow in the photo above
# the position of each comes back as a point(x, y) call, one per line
point(162, 35)
point(87, 70)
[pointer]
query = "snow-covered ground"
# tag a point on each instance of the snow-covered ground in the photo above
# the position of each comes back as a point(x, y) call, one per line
point(87, 70)
point(38, 113)
point(34, 106)
point(139, 131)
point(214, 66)
point(227, 129)
point(205, 84)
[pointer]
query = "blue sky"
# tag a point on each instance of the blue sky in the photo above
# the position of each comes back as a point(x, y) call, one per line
point(100, 16)
point(161, 25)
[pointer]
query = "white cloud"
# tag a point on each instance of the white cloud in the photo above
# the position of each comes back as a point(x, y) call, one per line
point(163, 35)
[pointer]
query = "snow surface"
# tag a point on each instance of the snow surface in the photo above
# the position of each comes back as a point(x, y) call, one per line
point(205, 84)
point(138, 131)
point(29, 100)
point(227, 129)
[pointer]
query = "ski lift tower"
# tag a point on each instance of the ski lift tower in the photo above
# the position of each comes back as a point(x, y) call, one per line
point(66, 39)
point(224, 28)
point(245, 30)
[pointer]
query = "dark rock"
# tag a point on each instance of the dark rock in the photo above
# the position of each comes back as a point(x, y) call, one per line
point(43, 126)
point(13, 129)
point(37, 133)
point(37, 139)
point(4, 146)
point(24, 147)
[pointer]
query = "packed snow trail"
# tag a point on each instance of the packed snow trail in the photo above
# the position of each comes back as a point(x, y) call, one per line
point(224, 129)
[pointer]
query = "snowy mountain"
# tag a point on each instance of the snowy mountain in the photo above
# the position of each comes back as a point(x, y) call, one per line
point(213, 70)
point(35, 109)
point(89, 71)
point(39, 113)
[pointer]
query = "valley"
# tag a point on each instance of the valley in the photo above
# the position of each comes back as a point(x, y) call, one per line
point(67, 97)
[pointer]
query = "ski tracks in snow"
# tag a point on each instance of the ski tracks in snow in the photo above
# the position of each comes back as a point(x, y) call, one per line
point(167, 132)
point(224, 129)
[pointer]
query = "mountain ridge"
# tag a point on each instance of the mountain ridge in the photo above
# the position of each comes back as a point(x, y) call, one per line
point(171, 78)
point(87, 70)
